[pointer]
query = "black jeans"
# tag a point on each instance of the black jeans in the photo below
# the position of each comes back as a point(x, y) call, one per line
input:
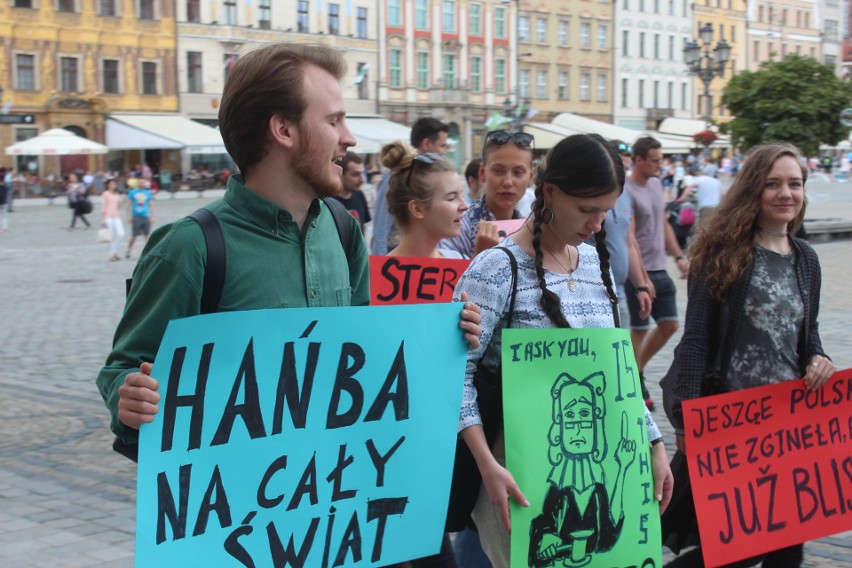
point(76, 213)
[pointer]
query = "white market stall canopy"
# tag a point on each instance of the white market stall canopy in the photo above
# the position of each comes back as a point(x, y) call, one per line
point(374, 131)
point(547, 135)
point(56, 142)
point(138, 131)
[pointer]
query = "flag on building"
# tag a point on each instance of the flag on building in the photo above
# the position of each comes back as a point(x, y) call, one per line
point(362, 73)
point(496, 120)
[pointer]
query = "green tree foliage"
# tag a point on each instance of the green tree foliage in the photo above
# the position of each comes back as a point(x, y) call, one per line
point(797, 100)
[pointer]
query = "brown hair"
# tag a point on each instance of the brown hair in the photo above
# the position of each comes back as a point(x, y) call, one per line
point(408, 184)
point(583, 166)
point(264, 83)
point(723, 249)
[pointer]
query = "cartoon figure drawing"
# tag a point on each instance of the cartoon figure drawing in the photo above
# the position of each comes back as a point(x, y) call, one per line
point(581, 514)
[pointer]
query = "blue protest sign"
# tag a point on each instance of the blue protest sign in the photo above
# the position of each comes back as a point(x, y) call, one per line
point(301, 437)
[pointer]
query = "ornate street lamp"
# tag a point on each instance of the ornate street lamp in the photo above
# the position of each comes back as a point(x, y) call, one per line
point(706, 64)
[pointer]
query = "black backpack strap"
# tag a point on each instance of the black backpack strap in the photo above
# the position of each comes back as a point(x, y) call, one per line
point(343, 220)
point(214, 273)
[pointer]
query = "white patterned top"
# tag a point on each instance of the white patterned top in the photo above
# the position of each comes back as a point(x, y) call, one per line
point(488, 282)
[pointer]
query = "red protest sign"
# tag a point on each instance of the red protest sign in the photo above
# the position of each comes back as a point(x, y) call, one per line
point(411, 280)
point(770, 466)
point(507, 227)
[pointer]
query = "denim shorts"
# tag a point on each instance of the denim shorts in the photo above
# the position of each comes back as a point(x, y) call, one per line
point(664, 307)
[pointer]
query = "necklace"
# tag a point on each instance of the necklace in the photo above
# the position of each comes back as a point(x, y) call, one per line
point(772, 233)
point(572, 284)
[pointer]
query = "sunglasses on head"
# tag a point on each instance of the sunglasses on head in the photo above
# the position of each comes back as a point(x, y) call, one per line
point(625, 149)
point(501, 137)
point(428, 159)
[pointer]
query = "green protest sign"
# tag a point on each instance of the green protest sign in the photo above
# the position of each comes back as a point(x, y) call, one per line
point(577, 445)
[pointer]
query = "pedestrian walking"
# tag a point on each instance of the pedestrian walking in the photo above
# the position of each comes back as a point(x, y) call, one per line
point(5, 193)
point(141, 213)
point(78, 201)
point(111, 217)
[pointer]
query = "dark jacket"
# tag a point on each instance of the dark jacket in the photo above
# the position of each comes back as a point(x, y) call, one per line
point(695, 355)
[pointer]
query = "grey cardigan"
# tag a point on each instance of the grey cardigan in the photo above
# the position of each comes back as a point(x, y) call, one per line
point(696, 352)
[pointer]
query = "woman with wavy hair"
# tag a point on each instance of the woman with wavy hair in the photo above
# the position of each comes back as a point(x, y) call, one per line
point(561, 282)
point(751, 318)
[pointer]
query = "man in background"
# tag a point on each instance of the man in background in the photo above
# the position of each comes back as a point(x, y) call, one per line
point(655, 236)
point(351, 195)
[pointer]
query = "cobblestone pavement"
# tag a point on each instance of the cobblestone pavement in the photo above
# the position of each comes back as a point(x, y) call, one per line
point(67, 500)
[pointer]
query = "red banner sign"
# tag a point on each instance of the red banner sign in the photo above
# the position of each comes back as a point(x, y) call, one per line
point(411, 280)
point(770, 467)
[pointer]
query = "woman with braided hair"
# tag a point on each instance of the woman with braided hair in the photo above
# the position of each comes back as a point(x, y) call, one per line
point(561, 282)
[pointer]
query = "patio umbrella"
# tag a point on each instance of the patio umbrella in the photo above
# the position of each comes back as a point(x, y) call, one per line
point(56, 142)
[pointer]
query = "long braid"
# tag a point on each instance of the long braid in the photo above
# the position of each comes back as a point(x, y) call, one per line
point(603, 255)
point(550, 302)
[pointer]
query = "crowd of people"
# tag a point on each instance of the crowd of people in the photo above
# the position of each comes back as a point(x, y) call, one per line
point(591, 253)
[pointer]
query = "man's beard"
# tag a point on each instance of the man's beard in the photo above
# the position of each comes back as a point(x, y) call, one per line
point(315, 168)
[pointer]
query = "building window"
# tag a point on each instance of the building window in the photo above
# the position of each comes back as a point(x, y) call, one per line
point(671, 48)
point(524, 83)
point(563, 32)
point(671, 8)
point(656, 6)
point(656, 94)
point(656, 46)
point(333, 19)
point(585, 87)
point(601, 95)
point(146, 10)
point(193, 72)
point(25, 72)
point(733, 34)
point(421, 14)
point(361, 23)
point(603, 35)
point(500, 76)
point(831, 28)
point(395, 60)
point(107, 8)
point(229, 13)
point(626, 5)
point(641, 93)
point(23, 4)
point(563, 85)
point(641, 44)
point(684, 100)
point(541, 30)
point(302, 16)
point(499, 22)
point(65, 6)
point(449, 16)
point(394, 14)
point(831, 60)
point(422, 70)
point(523, 28)
point(264, 14)
point(449, 71)
point(541, 84)
point(476, 74)
point(625, 43)
point(149, 78)
point(193, 11)
point(68, 74)
point(109, 79)
point(756, 49)
point(585, 35)
point(475, 19)
point(625, 93)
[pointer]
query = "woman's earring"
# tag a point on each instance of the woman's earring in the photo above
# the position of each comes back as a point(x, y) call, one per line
point(547, 215)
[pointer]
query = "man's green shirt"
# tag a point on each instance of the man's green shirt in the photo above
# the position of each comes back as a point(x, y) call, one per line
point(270, 263)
